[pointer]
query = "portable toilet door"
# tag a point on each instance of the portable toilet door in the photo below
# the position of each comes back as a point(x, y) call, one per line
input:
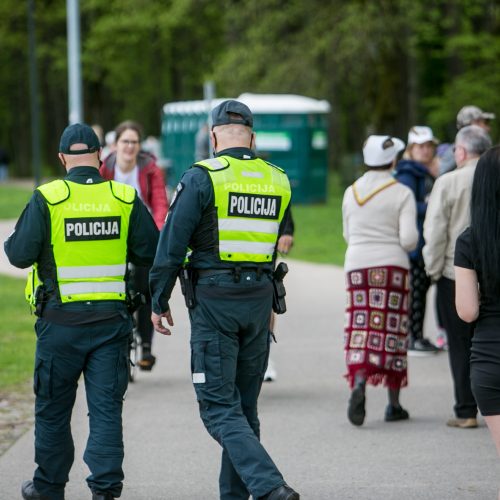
point(291, 132)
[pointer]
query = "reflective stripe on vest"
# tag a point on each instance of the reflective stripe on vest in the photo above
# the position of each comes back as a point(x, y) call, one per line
point(86, 287)
point(89, 232)
point(251, 197)
point(252, 248)
point(260, 226)
point(91, 271)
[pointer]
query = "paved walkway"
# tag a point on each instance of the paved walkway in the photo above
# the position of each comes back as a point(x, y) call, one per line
point(169, 455)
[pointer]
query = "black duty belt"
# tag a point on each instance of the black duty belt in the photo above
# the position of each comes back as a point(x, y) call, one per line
point(202, 273)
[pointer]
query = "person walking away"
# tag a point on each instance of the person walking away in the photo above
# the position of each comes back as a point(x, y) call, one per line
point(477, 294)
point(202, 143)
point(417, 170)
point(138, 169)
point(228, 210)
point(78, 233)
point(468, 115)
point(109, 144)
point(379, 226)
point(448, 214)
point(4, 165)
point(285, 243)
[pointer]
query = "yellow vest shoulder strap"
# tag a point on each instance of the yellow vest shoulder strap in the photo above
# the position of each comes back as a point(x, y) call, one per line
point(55, 192)
point(214, 164)
point(275, 166)
point(123, 192)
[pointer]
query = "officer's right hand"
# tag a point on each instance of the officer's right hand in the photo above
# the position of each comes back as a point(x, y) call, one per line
point(156, 319)
point(285, 243)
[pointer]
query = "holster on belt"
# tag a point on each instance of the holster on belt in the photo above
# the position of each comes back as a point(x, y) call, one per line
point(187, 279)
point(279, 292)
point(134, 301)
point(41, 297)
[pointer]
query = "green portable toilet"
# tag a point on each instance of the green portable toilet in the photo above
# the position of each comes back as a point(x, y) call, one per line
point(291, 131)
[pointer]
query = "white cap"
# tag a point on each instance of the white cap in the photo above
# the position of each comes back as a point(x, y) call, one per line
point(420, 135)
point(381, 150)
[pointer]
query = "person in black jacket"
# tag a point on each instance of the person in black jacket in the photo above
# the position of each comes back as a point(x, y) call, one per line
point(285, 243)
point(417, 170)
point(229, 210)
point(78, 233)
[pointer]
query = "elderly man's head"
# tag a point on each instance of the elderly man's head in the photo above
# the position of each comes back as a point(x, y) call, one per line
point(470, 142)
point(472, 115)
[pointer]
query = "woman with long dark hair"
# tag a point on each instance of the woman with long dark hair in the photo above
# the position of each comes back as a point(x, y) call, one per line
point(477, 272)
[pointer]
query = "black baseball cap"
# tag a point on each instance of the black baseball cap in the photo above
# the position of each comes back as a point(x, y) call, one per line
point(79, 133)
point(220, 114)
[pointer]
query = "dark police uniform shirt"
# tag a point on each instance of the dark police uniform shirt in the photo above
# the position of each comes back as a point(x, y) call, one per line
point(192, 222)
point(30, 243)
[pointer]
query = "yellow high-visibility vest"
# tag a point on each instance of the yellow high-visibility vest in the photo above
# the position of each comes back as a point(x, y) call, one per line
point(251, 197)
point(89, 231)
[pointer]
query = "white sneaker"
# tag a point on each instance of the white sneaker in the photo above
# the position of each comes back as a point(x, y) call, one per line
point(442, 340)
point(270, 375)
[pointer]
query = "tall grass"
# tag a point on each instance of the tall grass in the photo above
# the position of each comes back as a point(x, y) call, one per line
point(13, 199)
point(318, 228)
point(17, 337)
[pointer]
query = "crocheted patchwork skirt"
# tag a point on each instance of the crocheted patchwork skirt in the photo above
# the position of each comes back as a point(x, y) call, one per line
point(376, 325)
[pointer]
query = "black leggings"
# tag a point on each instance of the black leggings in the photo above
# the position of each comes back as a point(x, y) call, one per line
point(419, 285)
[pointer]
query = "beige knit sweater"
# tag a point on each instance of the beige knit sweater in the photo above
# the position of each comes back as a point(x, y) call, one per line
point(379, 223)
point(447, 216)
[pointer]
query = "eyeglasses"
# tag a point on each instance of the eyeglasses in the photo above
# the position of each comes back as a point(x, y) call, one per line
point(126, 142)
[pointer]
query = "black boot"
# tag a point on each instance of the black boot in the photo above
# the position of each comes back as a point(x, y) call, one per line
point(29, 492)
point(356, 410)
point(282, 493)
point(102, 496)
point(395, 413)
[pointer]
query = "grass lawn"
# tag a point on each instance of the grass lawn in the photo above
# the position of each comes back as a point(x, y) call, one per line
point(17, 337)
point(13, 199)
point(318, 228)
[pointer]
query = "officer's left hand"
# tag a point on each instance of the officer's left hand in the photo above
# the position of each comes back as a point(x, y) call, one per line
point(156, 319)
point(285, 243)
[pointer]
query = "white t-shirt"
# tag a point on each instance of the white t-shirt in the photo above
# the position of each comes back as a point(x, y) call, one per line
point(131, 178)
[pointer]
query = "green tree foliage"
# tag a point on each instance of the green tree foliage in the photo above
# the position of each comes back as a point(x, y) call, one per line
point(384, 65)
point(136, 56)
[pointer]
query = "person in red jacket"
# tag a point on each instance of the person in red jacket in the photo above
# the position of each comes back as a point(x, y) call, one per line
point(130, 165)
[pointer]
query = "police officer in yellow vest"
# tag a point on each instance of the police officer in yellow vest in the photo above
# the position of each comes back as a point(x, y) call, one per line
point(228, 211)
point(79, 234)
